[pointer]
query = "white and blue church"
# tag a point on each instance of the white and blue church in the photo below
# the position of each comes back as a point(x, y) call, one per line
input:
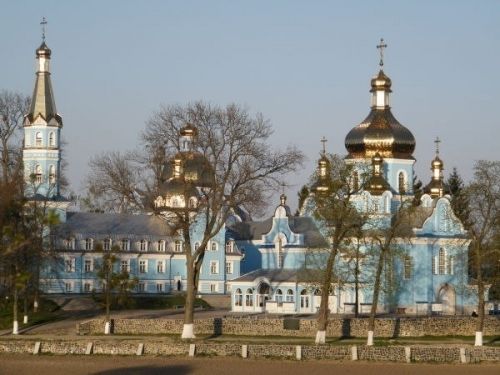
point(259, 264)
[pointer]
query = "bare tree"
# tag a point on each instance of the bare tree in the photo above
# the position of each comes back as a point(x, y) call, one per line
point(13, 107)
point(336, 212)
point(236, 157)
point(483, 207)
point(385, 242)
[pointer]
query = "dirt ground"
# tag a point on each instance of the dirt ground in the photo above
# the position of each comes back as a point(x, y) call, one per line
point(107, 365)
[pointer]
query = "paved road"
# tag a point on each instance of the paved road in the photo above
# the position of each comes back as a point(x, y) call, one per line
point(107, 365)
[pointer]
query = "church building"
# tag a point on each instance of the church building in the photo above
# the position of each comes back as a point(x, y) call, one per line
point(260, 264)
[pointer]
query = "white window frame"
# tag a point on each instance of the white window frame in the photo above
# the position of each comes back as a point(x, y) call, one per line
point(89, 289)
point(89, 243)
point(38, 139)
point(107, 244)
point(125, 265)
point(214, 267)
point(178, 246)
point(159, 288)
point(90, 263)
point(68, 287)
point(69, 265)
point(161, 245)
point(141, 287)
point(143, 266)
point(143, 245)
point(229, 267)
point(125, 244)
point(160, 266)
point(214, 245)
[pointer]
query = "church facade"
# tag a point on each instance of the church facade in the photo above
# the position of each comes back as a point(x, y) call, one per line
point(260, 264)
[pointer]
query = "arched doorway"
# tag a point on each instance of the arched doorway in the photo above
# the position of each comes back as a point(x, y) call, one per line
point(446, 296)
point(262, 295)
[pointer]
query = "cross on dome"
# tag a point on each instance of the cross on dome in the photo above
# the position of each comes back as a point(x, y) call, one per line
point(43, 23)
point(381, 47)
point(437, 142)
point(323, 141)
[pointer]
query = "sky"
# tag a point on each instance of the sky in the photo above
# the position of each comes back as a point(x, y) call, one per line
point(305, 65)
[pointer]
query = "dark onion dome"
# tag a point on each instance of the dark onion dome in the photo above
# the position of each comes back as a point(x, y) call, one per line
point(43, 50)
point(188, 130)
point(380, 131)
point(177, 186)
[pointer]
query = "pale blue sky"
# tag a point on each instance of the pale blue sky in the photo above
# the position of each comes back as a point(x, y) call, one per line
point(306, 65)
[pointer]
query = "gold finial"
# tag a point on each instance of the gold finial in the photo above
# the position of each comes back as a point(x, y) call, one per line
point(323, 141)
point(43, 23)
point(381, 47)
point(437, 142)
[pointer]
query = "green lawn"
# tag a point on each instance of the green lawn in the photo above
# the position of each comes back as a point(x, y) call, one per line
point(47, 312)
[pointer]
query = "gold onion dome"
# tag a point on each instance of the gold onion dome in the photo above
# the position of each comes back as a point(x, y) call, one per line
point(188, 130)
point(43, 50)
point(380, 131)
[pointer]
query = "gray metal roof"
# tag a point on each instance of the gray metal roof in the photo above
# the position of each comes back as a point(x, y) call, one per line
point(112, 224)
point(253, 230)
point(281, 275)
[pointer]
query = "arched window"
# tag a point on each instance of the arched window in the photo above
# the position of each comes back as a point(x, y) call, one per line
point(89, 244)
point(407, 267)
point(238, 297)
point(442, 261)
point(52, 174)
point(38, 174)
point(229, 246)
point(280, 252)
point(304, 299)
point(125, 244)
point(178, 246)
point(161, 245)
point(213, 246)
point(143, 245)
point(401, 183)
point(38, 139)
point(289, 295)
point(278, 296)
point(249, 297)
point(107, 244)
point(52, 139)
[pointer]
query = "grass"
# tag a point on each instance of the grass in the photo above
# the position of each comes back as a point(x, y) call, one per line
point(151, 303)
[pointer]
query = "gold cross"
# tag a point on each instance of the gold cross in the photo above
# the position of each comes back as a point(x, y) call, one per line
point(283, 186)
point(43, 23)
point(381, 47)
point(437, 142)
point(324, 140)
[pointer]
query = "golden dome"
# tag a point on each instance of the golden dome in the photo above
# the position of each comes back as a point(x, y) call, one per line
point(437, 163)
point(380, 131)
point(188, 130)
point(43, 50)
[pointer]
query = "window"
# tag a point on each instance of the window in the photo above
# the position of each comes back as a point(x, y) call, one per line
point(289, 295)
point(52, 139)
point(143, 245)
point(52, 174)
point(192, 202)
point(124, 266)
point(69, 244)
point(161, 245)
point(125, 244)
point(401, 183)
point(70, 265)
point(87, 287)
point(88, 265)
point(89, 244)
point(229, 267)
point(160, 266)
point(68, 287)
point(141, 287)
point(238, 298)
point(213, 288)
point(249, 298)
point(196, 246)
point(442, 261)
point(229, 246)
point(38, 139)
point(407, 267)
point(107, 244)
point(280, 253)
point(143, 266)
point(355, 181)
point(451, 265)
point(38, 174)
point(213, 246)
point(214, 267)
point(278, 297)
point(159, 288)
point(178, 246)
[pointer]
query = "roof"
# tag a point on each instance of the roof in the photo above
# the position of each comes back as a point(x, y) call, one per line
point(280, 275)
point(253, 230)
point(114, 224)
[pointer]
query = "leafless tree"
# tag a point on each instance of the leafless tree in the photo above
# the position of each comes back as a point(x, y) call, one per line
point(483, 224)
point(335, 209)
point(245, 168)
point(13, 107)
